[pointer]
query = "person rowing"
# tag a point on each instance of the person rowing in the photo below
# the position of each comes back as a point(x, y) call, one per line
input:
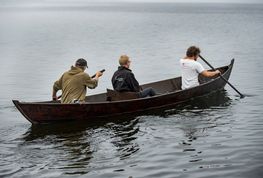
point(74, 83)
point(190, 68)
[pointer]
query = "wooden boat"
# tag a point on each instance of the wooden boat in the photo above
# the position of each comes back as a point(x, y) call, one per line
point(98, 107)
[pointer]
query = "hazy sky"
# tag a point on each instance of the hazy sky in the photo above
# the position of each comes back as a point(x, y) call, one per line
point(78, 1)
point(193, 1)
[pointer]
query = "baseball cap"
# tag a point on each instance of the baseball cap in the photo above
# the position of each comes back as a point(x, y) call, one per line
point(82, 62)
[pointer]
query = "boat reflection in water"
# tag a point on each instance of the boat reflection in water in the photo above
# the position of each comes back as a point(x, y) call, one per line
point(79, 147)
point(197, 119)
point(72, 145)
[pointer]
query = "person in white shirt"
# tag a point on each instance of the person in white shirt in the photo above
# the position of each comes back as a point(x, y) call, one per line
point(190, 68)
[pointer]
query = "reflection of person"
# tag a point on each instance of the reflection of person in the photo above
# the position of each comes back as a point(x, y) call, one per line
point(190, 68)
point(73, 83)
point(123, 80)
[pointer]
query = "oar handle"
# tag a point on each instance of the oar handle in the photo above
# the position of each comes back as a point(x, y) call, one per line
point(93, 76)
point(103, 70)
point(241, 95)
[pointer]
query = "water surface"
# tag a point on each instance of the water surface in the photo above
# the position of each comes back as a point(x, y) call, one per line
point(218, 135)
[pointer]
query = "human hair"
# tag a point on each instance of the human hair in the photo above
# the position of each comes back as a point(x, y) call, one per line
point(193, 51)
point(124, 59)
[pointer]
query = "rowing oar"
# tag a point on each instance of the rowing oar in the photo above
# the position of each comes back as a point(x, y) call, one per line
point(103, 70)
point(241, 95)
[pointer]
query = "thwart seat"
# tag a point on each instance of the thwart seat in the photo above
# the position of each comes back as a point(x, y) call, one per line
point(117, 96)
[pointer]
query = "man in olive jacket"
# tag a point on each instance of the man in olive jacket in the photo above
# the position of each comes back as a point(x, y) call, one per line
point(73, 83)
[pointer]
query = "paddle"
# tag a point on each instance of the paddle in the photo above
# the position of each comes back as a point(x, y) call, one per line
point(241, 95)
point(103, 70)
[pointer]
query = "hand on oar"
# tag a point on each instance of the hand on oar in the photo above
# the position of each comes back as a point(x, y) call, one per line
point(98, 74)
point(241, 95)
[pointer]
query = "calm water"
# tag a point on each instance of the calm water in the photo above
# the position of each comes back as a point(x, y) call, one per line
point(215, 136)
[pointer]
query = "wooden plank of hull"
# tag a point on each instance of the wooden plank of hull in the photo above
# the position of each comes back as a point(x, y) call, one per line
point(42, 112)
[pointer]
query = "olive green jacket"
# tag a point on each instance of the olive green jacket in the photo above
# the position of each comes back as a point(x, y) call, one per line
point(73, 84)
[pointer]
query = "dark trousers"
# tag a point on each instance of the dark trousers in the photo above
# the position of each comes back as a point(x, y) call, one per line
point(147, 92)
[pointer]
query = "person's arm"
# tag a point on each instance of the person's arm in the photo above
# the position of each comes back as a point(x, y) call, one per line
point(207, 73)
point(200, 69)
point(134, 84)
point(92, 83)
point(56, 87)
point(114, 81)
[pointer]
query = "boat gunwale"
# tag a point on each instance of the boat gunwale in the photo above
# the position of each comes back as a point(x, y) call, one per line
point(230, 66)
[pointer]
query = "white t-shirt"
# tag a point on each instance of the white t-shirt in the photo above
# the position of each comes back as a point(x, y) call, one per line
point(190, 70)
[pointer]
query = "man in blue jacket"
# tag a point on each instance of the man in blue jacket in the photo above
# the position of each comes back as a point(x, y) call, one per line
point(123, 80)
